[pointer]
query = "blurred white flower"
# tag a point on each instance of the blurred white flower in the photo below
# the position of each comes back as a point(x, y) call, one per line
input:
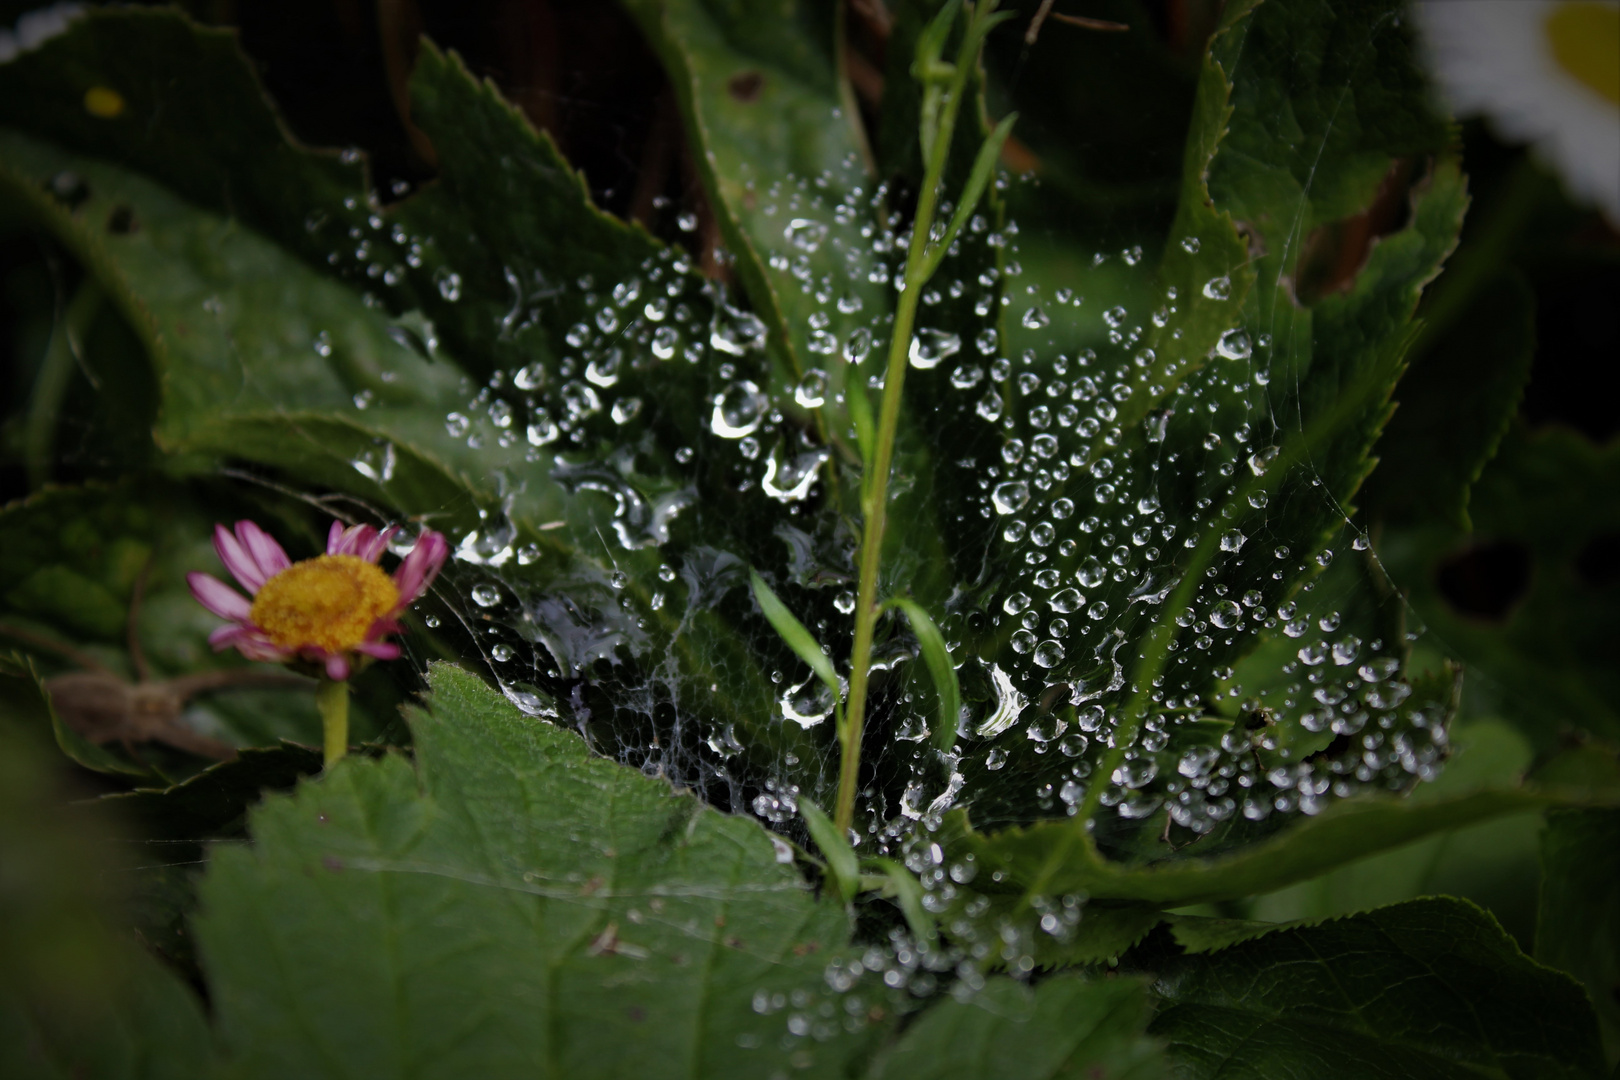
point(36, 27)
point(1545, 72)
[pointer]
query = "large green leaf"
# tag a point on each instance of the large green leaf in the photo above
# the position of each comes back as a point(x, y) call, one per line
point(1578, 926)
point(211, 136)
point(1049, 859)
point(1455, 406)
point(779, 146)
point(1527, 600)
point(76, 997)
point(512, 903)
point(1066, 1027)
point(1431, 988)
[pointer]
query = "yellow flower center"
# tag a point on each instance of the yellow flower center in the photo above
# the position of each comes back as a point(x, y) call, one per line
point(1585, 40)
point(329, 602)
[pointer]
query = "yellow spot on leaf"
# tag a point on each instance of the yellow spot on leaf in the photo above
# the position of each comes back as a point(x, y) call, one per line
point(329, 602)
point(103, 102)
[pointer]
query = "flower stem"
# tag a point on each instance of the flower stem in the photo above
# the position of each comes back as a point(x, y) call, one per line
point(332, 699)
point(874, 498)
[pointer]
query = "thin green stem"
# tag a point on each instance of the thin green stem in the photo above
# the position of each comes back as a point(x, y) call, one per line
point(876, 489)
point(52, 381)
point(332, 699)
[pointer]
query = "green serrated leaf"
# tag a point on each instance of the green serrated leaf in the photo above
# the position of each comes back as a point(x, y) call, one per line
point(628, 927)
point(1537, 646)
point(940, 666)
point(77, 997)
point(1578, 924)
point(1426, 988)
point(1067, 1027)
point(1455, 406)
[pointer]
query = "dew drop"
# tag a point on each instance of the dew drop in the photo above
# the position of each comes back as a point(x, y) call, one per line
point(1218, 288)
point(1234, 345)
point(1010, 496)
point(738, 410)
point(812, 389)
point(486, 595)
point(929, 347)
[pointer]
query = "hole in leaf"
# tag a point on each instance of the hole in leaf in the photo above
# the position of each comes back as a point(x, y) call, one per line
point(1598, 561)
point(1486, 581)
point(1334, 254)
point(746, 86)
point(121, 221)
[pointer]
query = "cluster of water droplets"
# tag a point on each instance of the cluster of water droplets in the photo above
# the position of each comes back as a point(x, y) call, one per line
point(1144, 597)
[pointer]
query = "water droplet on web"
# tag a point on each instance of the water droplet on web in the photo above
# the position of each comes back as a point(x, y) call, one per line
point(808, 703)
point(449, 283)
point(1067, 601)
point(1023, 642)
point(738, 410)
point(542, 429)
point(1009, 704)
point(626, 409)
point(858, 345)
point(929, 347)
point(986, 342)
point(844, 602)
point(1261, 460)
point(1091, 572)
point(812, 389)
point(996, 759)
point(1010, 496)
point(1234, 345)
point(1049, 654)
point(486, 595)
point(1135, 774)
point(1226, 615)
point(989, 406)
point(789, 479)
point(1035, 319)
point(664, 341)
point(805, 234)
point(456, 425)
point(530, 377)
point(1233, 540)
point(579, 400)
point(1218, 288)
point(502, 653)
point(966, 376)
point(1190, 245)
point(1016, 603)
point(686, 221)
point(323, 344)
point(604, 370)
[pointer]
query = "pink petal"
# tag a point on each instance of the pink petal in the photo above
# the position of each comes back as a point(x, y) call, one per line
point(337, 668)
point(244, 567)
point(353, 539)
point(218, 597)
point(379, 544)
point(420, 567)
point(382, 650)
point(250, 641)
point(263, 547)
point(334, 536)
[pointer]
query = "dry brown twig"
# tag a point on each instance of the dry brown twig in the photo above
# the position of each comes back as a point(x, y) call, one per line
point(104, 707)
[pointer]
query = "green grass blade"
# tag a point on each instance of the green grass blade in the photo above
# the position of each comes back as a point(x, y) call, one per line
point(938, 657)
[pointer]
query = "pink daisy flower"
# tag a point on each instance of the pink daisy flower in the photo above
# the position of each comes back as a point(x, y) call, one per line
point(333, 610)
